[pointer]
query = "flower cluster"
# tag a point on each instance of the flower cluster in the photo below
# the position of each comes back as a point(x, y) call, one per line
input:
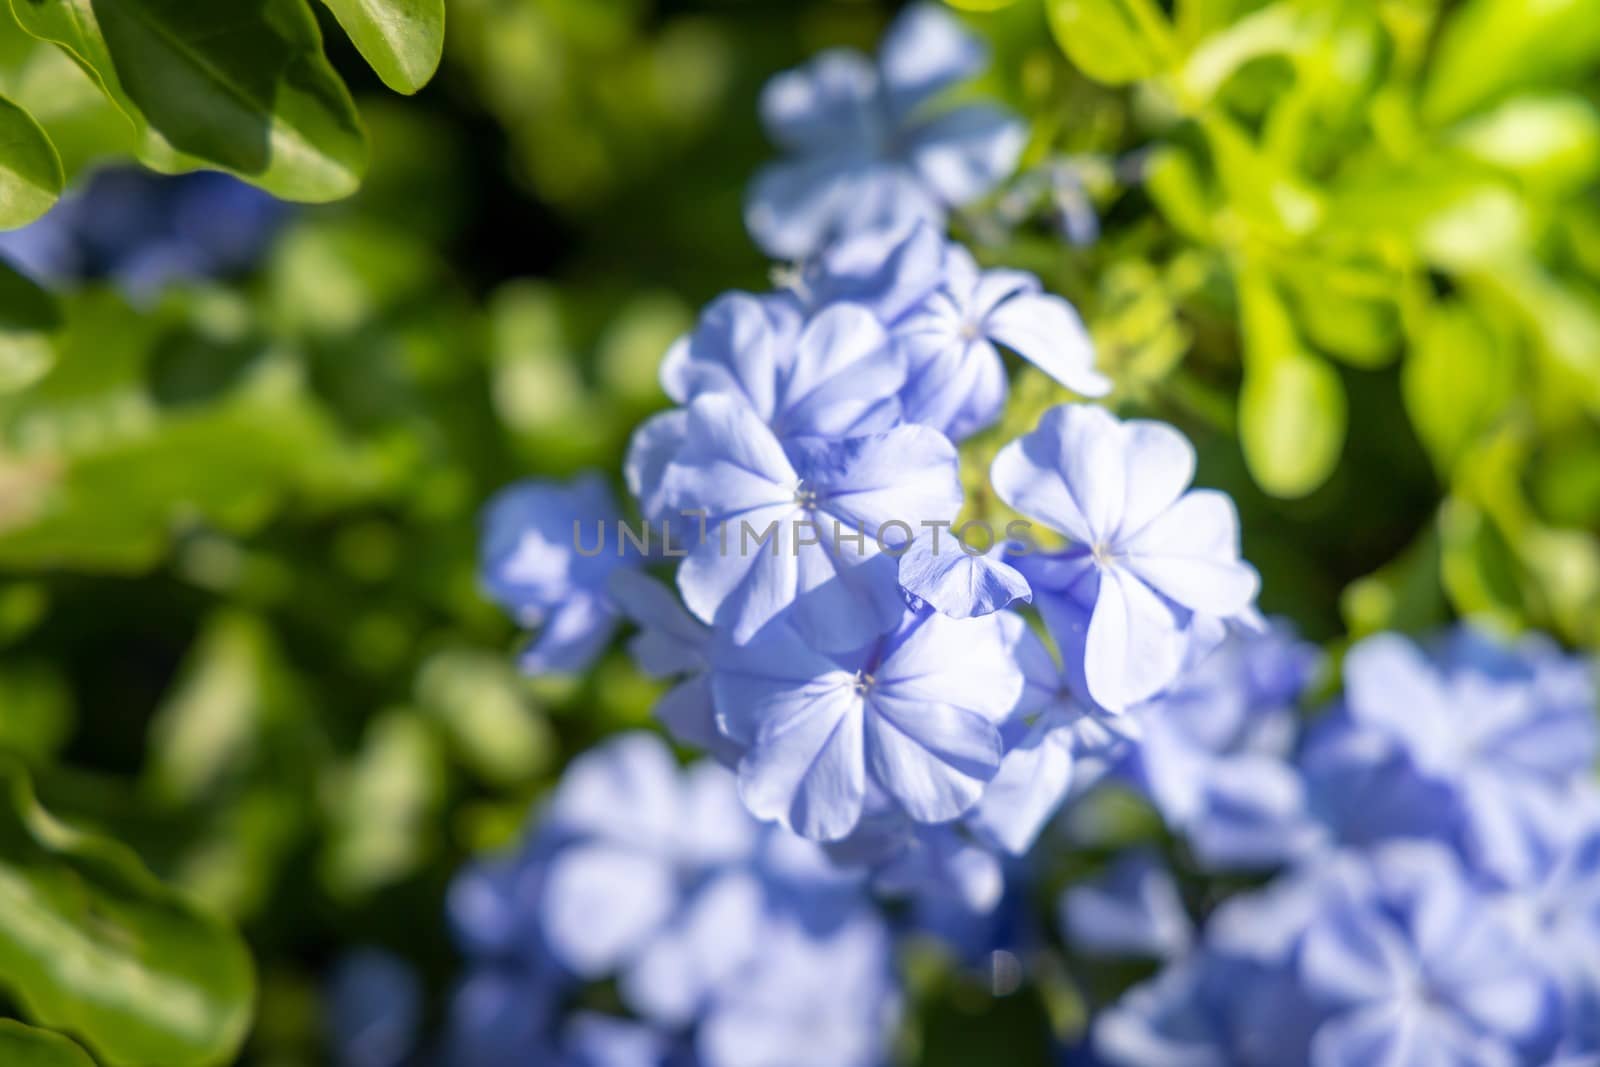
point(899, 708)
point(1441, 903)
point(725, 939)
point(867, 672)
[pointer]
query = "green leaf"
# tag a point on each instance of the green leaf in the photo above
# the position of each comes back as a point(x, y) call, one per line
point(28, 317)
point(1112, 41)
point(1490, 47)
point(1551, 142)
point(25, 1046)
point(401, 39)
point(237, 84)
point(1456, 378)
point(93, 944)
point(30, 170)
point(1292, 407)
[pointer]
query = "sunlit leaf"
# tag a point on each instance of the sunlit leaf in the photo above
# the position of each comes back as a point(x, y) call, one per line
point(1489, 47)
point(401, 39)
point(1112, 41)
point(1292, 407)
point(93, 944)
point(30, 170)
point(25, 1046)
point(236, 84)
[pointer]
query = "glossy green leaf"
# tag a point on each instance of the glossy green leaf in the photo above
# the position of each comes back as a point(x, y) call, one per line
point(26, 1046)
point(237, 84)
point(1112, 41)
point(401, 39)
point(30, 170)
point(93, 944)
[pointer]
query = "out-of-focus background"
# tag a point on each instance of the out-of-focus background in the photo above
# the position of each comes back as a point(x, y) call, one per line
point(1352, 248)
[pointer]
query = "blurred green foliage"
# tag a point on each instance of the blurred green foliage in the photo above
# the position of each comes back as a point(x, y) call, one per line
point(1352, 247)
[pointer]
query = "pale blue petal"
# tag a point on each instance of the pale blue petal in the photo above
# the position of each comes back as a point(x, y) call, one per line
point(1135, 645)
point(707, 944)
point(828, 105)
point(960, 583)
point(670, 640)
point(1045, 330)
point(925, 51)
point(843, 378)
point(933, 758)
point(735, 348)
point(964, 154)
point(602, 904)
point(1190, 554)
point(793, 208)
point(889, 272)
point(1033, 781)
point(1131, 909)
point(571, 639)
point(654, 444)
point(625, 790)
point(807, 767)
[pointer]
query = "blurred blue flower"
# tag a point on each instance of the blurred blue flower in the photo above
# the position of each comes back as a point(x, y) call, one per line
point(1216, 751)
point(1412, 968)
point(866, 149)
point(1482, 742)
point(776, 515)
point(374, 1009)
point(1132, 909)
point(658, 879)
point(548, 553)
point(1387, 957)
point(808, 1001)
point(1151, 558)
point(914, 713)
point(144, 231)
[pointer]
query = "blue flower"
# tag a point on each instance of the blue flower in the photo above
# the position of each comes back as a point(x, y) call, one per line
point(808, 1001)
point(1132, 909)
point(914, 713)
point(1054, 741)
point(865, 148)
point(1412, 968)
point(793, 528)
point(651, 880)
point(834, 374)
point(1502, 740)
point(671, 643)
point(374, 1009)
point(658, 879)
point(548, 552)
point(146, 231)
point(950, 319)
point(943, 574)
point(956, 381)
point(1150, 557)
point(1215, 751)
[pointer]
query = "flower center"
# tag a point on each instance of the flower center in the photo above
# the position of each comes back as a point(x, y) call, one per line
point(864, 683)
point(970, 330)
point(1103, 554)
point(805, 497)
